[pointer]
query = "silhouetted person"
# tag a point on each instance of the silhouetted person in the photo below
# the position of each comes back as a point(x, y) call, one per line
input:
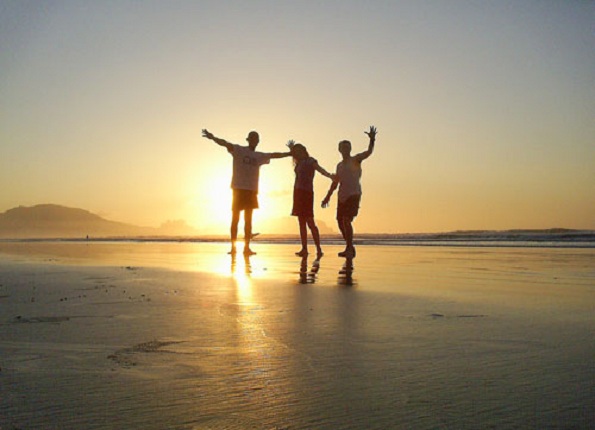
point(303, 195)
point(347, 178)
point(244, 182)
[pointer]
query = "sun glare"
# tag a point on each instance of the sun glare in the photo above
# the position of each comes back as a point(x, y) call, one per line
point(218, 202)
point(211, 203)
point(241, 273)
point(212, 198)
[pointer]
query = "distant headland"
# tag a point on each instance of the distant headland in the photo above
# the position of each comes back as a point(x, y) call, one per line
point(54, 221)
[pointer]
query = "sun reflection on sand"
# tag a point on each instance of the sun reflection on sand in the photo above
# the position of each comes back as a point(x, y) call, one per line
point(257, 365)
point(241, 271)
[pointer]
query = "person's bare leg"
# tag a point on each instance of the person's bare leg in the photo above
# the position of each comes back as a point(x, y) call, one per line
point(349, 237)
point(342, 230)
point(341, 227)
point(315, 235)
point(303, 237)
point(235, 219)
point(347, 232)
point(248, 231)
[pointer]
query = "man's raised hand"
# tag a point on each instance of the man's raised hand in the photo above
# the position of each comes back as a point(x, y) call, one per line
point(372, 132)
point(206, 133)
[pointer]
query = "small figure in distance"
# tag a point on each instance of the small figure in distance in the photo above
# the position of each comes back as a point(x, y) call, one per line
point(303, 195)
point(347, 178)
point(244, 182)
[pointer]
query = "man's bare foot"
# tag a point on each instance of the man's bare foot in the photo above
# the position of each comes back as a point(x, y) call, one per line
point(248, 251)
point(302, 253)
point(233, 251)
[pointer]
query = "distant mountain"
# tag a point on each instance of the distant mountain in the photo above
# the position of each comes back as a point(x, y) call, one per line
point(54, 221)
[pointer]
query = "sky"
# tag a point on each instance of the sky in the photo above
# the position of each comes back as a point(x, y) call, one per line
point(485, 109)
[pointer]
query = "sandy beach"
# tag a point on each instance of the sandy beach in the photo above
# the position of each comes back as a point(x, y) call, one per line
point(161, 335)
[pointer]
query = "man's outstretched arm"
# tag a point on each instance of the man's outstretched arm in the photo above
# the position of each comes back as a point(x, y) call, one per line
point(331, 190)
point(206, 133)
point(279, 154)
point(372, 135)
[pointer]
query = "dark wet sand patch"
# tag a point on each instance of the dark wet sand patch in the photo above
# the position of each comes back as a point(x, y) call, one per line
point(126, 357)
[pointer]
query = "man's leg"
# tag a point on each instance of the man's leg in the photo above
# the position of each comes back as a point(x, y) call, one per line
point(247, 231)
point(235, 219)
point(347, 231)
point(348, 214)
point(341, 227)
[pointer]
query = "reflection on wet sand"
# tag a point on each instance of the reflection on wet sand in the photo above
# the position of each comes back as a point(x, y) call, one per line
point(252, 348)
point(243, 267)
point(346, 273)
point(308, 276)
point(253, 370)
point(241, 271)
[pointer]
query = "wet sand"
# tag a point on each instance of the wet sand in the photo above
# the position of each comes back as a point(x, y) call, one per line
point(180, 336)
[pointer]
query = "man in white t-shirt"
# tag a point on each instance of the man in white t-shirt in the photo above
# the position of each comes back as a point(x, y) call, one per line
point(347, 178)
point(244, 182)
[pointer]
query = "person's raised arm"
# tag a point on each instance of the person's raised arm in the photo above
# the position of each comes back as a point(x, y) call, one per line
point(372, 135)
point(331, 190)
point(206, 133)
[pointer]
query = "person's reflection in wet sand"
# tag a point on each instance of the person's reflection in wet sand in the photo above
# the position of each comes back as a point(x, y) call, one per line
point(346, 274)
point(234, 264)
point(308, 276)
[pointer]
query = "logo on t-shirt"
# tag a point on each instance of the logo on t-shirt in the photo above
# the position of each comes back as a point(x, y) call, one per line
point(249, 160)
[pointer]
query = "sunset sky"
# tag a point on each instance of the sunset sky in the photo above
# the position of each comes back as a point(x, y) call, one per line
point(485, 109)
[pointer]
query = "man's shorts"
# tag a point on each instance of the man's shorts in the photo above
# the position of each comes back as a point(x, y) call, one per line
point(244, 199)
point(303, 203)
point(349, 208)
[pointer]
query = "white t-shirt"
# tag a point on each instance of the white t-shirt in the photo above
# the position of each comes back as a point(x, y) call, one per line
point(246, 167)
point(349, 173)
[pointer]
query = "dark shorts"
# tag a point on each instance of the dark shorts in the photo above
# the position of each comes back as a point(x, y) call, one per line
point(303, 203)
point(349, 208)
point(244, 199)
